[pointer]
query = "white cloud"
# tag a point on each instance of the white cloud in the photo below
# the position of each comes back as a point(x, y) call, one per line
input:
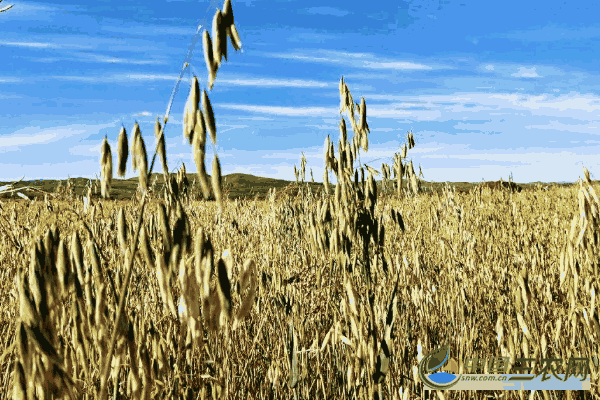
point(58, 170)
point(42, 45)
point(257, 118)
point(356, 60)
point(395, 65)
point(528, 165)
point(148, 77)
point(477, 105)
point(284, 111)
point(10, 80)
point(526, 73)
point(90, 57)
point(151, 30)
point(576, 128)
point(273, 82)
point(36, 135)
point(553, 33)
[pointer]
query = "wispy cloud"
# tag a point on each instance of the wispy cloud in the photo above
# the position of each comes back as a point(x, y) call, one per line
point(551, 33)
point(257, 118)
point(32, 136)
point(147, 77)
point(43, 45)
point(526, 73)
point(395, 65)
point(284, 111)
point(591, 128)
point(327, 11)
point(356, 60)
point(151, 30)
point(10, 80)
point(91, 57)
point(274, 82)
point(25, 11)
point(573, 105)
point(374, 111)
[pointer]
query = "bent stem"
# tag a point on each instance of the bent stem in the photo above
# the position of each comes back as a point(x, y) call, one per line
point(124, 289)
point(122, 300)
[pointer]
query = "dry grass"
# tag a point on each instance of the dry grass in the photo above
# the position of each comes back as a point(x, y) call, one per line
point(490, 238)
point(305, 295)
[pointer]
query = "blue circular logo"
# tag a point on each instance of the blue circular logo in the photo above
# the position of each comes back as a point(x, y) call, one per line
point(432, 362)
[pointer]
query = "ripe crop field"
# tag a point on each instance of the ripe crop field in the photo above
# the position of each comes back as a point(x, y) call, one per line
point(312, 292)
point(463, 268)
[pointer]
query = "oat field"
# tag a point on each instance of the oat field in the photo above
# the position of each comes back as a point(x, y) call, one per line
point(334, 293)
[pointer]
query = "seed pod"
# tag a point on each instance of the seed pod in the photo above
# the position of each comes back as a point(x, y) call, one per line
point(198, 256)
point(216, 181)
point(63, 268)
point(381, 234)
point(122, 230)
point(248, 279)
point(19, 380)
point(27, 311)
point(142, 162)
point(186, 121)
point(342, 95)
point(198, 150)
point(163, 284)
point(364, 127)
point(209, 58)
point(123, 153)
point(364, 143)
point(106, 163)
point(162, 152)
point(194, 100)
point(327, 159)
point(136, 135)
point(100, 302)
point(209, 117)
point(165, 228)
point(227, 14)
point(326, 181)
point(200, 128)
point(209, 266)
point(293, 357)
point(145, 247)
point(105, 152)
point(96, 267)
point(224, 288)
point(22, 342)
point(220, 38)
point(77, 255)
point(216, 36)
point(343, 130)
point(191, 110)
point(235, 37)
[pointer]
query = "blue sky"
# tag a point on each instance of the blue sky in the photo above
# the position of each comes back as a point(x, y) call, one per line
point(488, 88)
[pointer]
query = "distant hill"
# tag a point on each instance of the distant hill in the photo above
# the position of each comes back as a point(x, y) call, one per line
point(238, 185)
